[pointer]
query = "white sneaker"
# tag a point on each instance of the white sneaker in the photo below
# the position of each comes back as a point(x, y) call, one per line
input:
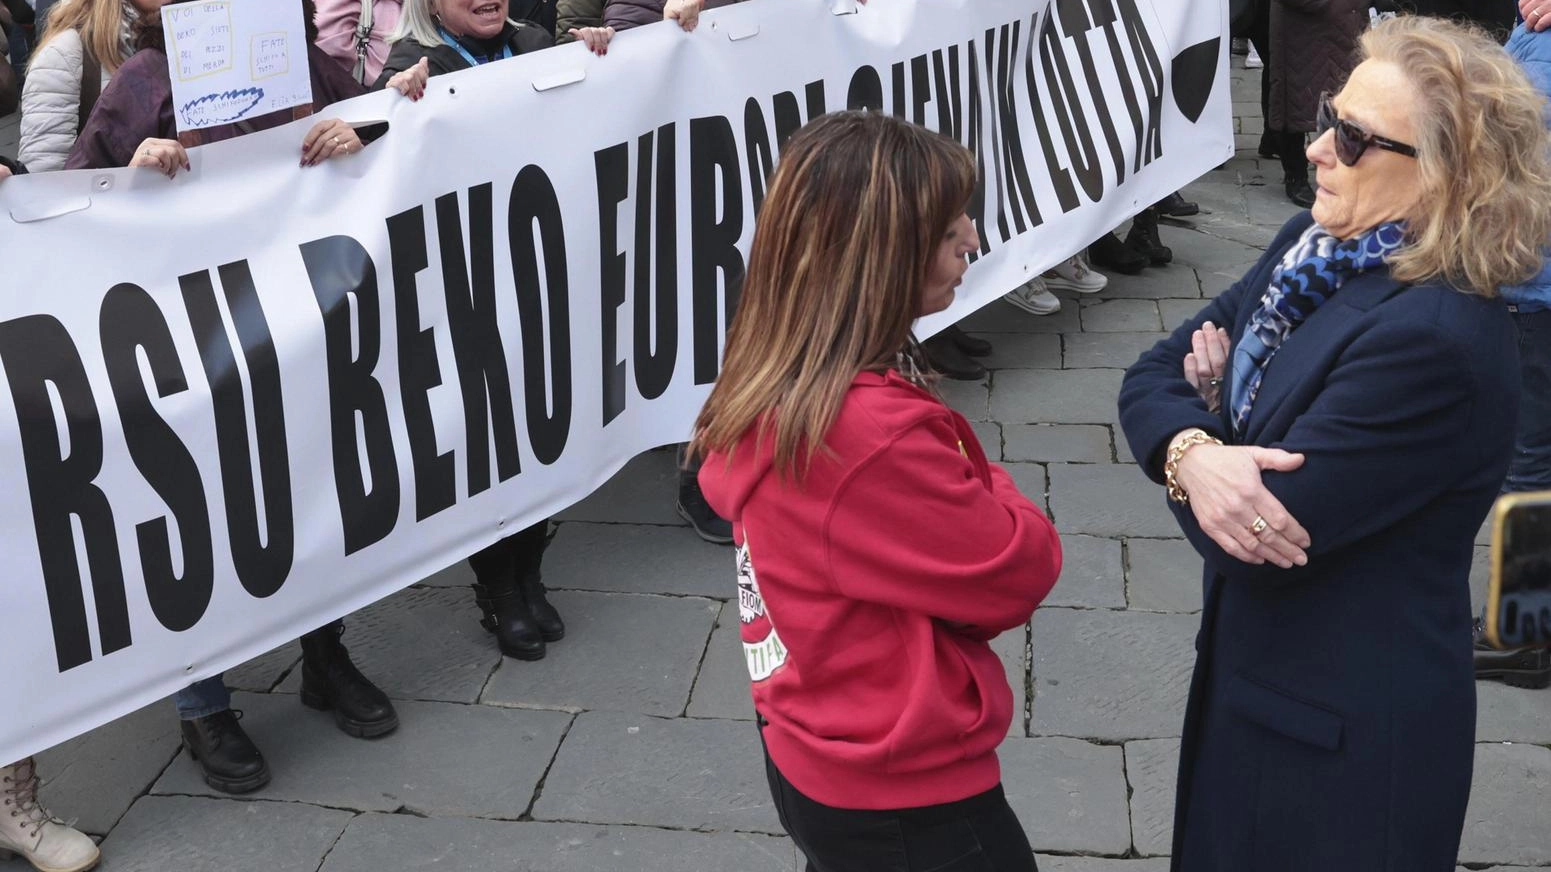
point(1252, 60)
point(1032, 296)
point(26, 828)
point(1074, 275)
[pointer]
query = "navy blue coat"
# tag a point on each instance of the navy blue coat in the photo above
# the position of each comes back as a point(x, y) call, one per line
point(1331, 718)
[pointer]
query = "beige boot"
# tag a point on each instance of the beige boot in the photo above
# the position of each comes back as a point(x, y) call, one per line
point(26, 828)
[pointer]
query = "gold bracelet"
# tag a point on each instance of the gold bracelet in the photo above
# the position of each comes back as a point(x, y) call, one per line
point(1175, 455)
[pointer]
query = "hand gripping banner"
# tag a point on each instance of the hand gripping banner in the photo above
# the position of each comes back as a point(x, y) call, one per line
point(243, 402)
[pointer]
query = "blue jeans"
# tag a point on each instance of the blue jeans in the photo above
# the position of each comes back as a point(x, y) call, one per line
point(1531, 467)
point(203, 698)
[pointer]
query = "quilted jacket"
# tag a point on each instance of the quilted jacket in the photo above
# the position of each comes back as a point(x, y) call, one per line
point(51, 100)
point(1313, 49)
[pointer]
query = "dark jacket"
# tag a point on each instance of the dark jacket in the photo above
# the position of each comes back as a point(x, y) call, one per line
point(625, 14)
point(1496, 16)
point(1331, 716)
point(1313, 49)
point(522, 37)
point(137, 105)
point(1533, 52)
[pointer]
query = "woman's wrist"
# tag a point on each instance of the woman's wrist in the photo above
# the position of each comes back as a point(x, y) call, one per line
point(1179, 447)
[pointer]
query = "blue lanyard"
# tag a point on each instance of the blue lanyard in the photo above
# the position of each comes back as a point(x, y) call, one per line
point(506, 50)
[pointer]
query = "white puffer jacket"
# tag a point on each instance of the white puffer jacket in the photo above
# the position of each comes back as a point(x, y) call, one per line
point(51, 102)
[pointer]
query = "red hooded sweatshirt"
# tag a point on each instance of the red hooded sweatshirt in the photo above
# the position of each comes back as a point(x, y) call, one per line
point(869, 591)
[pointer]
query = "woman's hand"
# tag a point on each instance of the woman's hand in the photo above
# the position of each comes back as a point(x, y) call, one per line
point(1233, 506)
point(166, 156)
point(411, 82)
point(1536, 13)
point(685, 12)
point(329, 138)
point(597, 38)
point(5, 172)
point(1207, 362)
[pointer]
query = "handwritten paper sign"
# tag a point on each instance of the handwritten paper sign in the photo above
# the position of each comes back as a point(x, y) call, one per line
point(235, 59)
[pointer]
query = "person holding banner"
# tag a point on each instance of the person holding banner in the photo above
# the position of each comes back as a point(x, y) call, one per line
point(878, 551)
point(1332, 459)
point(133, 125)
point(442, 36)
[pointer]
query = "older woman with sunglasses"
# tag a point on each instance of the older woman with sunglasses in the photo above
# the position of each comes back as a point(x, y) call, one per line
point(1330, 432)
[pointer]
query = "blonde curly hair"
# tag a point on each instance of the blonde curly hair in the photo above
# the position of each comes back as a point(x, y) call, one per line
point(1483, 152)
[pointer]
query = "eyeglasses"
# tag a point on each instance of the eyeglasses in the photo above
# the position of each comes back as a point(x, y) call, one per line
point(1351, 139)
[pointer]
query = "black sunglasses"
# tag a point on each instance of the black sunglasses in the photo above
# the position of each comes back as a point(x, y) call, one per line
point(1351, 139)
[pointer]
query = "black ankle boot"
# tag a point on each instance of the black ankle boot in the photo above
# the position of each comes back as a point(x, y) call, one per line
point(230, 760)
point(948, 358)
point(1113, 255)
point(973, 346)
point(551, 627)
point(516, 631)
point(1299, 192)
point(693, 508)
point(1145, 240)
point(330, 682)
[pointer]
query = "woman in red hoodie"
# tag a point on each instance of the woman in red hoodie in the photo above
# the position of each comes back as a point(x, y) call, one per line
point(879, 552)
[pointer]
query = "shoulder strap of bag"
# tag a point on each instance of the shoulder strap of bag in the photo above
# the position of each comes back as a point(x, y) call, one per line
point(91, 86)
point(363, 37)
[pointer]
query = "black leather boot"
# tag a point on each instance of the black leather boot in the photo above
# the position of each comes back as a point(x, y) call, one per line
point(330, 682)
point(692, 507)
point(1145, 240)
point(1528, 668)
point(551, 627)
point(230, 760)
point(1115, 256)
point(516, 631)
point(1176, 206)
point(949, 359)
point(973, 346)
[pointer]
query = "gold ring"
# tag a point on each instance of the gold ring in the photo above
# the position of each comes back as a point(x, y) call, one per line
point(1259, 525)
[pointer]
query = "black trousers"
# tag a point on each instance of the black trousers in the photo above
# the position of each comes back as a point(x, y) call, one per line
point(978, 834)
point(518, 555)
point(1289, 145)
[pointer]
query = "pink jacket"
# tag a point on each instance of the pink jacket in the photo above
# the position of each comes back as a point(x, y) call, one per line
point(337, 21)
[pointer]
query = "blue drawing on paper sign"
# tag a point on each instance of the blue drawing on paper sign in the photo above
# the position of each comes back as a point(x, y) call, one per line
point(221, 108)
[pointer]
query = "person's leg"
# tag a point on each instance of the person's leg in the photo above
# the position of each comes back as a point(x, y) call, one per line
point(692, 506)
point(230, 761)
point(528, 547)
point(331, 682)
point(837, 839)
point(1531, 467)
point(497, 594)
point(202, 699)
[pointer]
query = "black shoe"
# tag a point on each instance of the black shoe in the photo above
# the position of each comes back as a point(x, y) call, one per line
point(1176, 206)
point(1529, 668)
point(1300, 193)
point(973, 346)
point(551, 626)
point(330, 682)
point(693, 508)
point(948, 358)
point(1268, 149)
point(1144, 239)
point(516, 631)
point(230, 760)
point(1115, 256)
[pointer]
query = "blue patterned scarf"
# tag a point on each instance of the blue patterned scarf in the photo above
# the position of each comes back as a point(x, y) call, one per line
point(1311, 273)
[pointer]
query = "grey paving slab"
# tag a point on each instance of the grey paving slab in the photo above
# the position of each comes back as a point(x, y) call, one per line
point(1099, 864)
point(722, 685)
point(638, 558)
point(375, 843)
point(1163, 575)
point(1480, 577)
point(1111, 675)
point(1023, 351)
point(1512, 714)
point(167, 833)
point(643, 492)
point(1108, 500)
point(1151, 284)
point(458, 575)
point(1509, 819)
point(1059, 443)
point(1107, 350)
point(621, 651)
point(1032, 482)
point(999, 317)
point(972, 399)
point(94, 778)
point(1177, 312)
point(1012, 647)
point(990, 435)
point(1071, 396)
point(444, 759)
point(1152, 769)
point(1069, 794)
point(420, 643)
point(618, 768)
point(1120, 316)
point(1212, 254)
point(1091, 574)
point(264, 672)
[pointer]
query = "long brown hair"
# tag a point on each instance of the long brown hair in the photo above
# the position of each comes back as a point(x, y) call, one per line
point(100, 23)
point(858, 205)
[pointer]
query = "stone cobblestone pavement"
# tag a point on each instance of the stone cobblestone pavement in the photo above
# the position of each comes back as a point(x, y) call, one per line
point(631, 747)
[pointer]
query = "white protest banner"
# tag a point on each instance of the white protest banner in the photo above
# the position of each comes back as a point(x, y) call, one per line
point(235, 59)
point(245, 401)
